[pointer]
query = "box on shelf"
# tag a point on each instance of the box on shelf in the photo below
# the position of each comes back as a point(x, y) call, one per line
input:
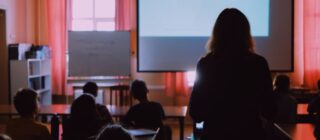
point(22, 51)
point(39, 52)
point(17, 51)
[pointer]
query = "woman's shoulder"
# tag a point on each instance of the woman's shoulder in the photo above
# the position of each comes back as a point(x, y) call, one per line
point(248, 57)
point(206, 58)
point(149, 104)
point(155, 104)
point(256, 57)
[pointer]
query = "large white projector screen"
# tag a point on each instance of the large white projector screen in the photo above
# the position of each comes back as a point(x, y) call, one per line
point(172, 34)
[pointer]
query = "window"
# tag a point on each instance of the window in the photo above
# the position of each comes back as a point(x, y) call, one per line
point(191, 77)
point(92, 15)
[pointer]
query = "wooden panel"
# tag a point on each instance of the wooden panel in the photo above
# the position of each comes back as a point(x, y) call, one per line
point(4, 80)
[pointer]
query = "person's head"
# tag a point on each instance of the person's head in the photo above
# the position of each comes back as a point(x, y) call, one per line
point(139, 90)
point(4, 137)
point(113, 132)
point(26, 102)
point(231, 33)
point(83, 108)
point(282, 83)
point(90, 87)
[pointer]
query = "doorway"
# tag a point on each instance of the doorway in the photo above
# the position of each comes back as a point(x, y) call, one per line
point(4, 70)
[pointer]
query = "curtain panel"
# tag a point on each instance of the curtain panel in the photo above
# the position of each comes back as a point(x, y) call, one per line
point(56, 10)
point(311, 43)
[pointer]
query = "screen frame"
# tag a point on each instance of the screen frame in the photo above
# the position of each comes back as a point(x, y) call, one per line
point(161, 71)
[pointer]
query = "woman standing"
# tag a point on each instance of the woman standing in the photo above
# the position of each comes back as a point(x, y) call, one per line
point(233, 90)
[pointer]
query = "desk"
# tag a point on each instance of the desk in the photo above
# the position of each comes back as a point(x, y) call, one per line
point(120, 91)
point(170, 112)
point(305, 97)
point(302, 114)
point(76, 86)
point(299, 90)
point(177, 112)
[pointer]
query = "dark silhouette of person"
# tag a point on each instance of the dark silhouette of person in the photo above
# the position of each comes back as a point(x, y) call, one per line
point(26, 127)
point(113, 132)
point(84, 122)
point(91, 89)
point(286, 104)
point(146, 114)
point(314, 109)
point(233, 88)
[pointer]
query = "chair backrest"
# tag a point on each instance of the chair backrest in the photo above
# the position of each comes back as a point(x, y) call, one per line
point(120, 95)
point(68, 132)
point(197, 130)
point(156, 134)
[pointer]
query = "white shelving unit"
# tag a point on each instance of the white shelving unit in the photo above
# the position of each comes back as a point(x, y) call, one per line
point(32, 73)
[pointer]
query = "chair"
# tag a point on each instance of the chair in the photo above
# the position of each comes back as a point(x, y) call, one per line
point(121, 94)
point(197, 130)
point(55, 127)
point(68, 132)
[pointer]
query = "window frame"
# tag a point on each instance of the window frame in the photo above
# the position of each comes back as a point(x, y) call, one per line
point(95, 20)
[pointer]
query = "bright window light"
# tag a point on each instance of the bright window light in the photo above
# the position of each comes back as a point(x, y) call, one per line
point(92, 15)
point(105, 8)
point(82, 8)
point(105, 26)
point(191, 77)
point(82, 25)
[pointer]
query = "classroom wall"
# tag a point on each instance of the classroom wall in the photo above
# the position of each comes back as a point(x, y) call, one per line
point(23, 25)
point(19, 28)
point(16, 19)
point(22, 20)
point(155, 81)
point(9, 7)
point(3, 59)
point(158, 80)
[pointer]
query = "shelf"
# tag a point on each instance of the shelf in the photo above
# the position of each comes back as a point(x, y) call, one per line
point(38, 76)
point(39, 91)
point(45, 75)
point(34, 74)
point(34, 59)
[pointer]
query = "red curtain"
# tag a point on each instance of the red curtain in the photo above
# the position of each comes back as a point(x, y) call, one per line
point(57, 42)
point(176, 83)
point(311, 42)
point(122, 17)
point(298, 75)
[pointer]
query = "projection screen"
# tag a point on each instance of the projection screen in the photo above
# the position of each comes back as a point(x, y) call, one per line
point(172, 34)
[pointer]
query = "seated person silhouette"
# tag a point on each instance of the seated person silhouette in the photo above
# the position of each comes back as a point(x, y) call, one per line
point(84, 122)
point(26, 127)
point(91, 89)
point(113, 132)
point(146, 114)
point(286, 104)
point(314, 109)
